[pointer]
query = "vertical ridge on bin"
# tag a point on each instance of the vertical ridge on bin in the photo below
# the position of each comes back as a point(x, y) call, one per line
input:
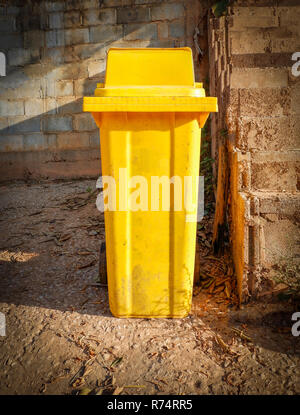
point(128, 225)
point(171, 217)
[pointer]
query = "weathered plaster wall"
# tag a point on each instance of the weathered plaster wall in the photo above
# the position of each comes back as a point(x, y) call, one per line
point(56, 53)
point(258, 132)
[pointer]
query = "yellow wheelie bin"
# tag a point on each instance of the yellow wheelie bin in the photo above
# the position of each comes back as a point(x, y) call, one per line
point(150, 113)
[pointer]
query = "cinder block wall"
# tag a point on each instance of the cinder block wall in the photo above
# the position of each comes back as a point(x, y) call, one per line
point(56, 53)
point(256, 138)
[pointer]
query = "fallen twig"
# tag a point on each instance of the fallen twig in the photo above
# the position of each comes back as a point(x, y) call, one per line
point(242, 334)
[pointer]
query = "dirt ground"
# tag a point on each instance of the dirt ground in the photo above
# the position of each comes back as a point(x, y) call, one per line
point(61, 337)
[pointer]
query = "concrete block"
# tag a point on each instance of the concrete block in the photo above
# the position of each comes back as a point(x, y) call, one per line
point(140, 2)
point(280, 241)
point(124, 43)
point(70, 55)
point(3, 124)
point(250, 41)
point(265, 134)
point(97, 51)
point(176, 29)
point(11, 143)
point(96, 68)
point(11, 108)
point(75, 36)
point(259, 78)
point(287, 32)
point(285, 45)
point(84, 87)
point(289, 16)
point(54, 6)
point(13, 89)
point(253, 11)
point(69, 105)
point(114, 3)
point(242, 23)
point(280, 177)
point(22, 124)
point(30, 20)
point(73, 140)
point(95, 139)
point(43, 21)
point(56, 20)
point(104, 33)
point(54, 56)
point(13, 10)
point(287, 204)
point(140, 31)
point(34, 107)
point(51, 141)
point(34, 39)
point(71, 19)
point(49, 88)
point(166, 43)
point(133, 15)
point(295, 99)
point(84, 122)
point(57, 123)
point(71, 71)
point(295, 130)
point(55, 38)
point(7, 24)
point(68, 71)
point(82, 4)
point(275, 171)
point(163, 30)
point(21, 57)
point(35, 142)
point(167, 11)
point(50, 106)
point(96, 16)
point(63, 88)
point(264, 102)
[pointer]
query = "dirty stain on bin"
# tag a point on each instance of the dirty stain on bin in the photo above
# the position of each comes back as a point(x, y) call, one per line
point(150, 113)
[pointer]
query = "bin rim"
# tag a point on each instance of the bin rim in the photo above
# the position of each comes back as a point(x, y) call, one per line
point(149, 91)
point(150, 104)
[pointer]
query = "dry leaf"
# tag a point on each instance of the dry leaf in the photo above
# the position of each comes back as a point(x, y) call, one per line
point(65, 237)
point(78, 382)
point(89, 264)
point(224, 346)
point(85, 391)
point(211, 288)
point(118, 390)
point(116, 362)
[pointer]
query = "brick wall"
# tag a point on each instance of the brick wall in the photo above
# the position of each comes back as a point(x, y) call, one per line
point(256, 137)
point(56, 53)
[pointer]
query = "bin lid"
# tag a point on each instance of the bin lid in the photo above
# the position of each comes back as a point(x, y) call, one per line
point(150, 80)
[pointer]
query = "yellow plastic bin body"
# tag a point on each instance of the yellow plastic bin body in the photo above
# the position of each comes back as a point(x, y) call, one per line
point(150, 113)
